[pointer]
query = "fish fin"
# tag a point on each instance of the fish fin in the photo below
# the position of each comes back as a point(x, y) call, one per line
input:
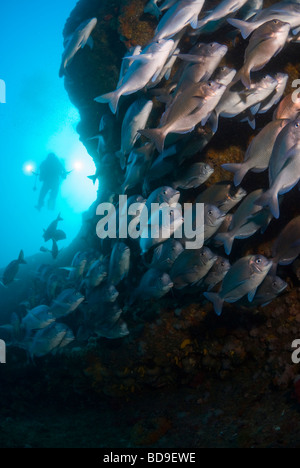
point(255, 109)
point(110, 98)
point(251, 295)
point(122, 158)
point(214, 121)
point(270, 198)
point(21, 258)
point(93, 178)
point(239, 171)
point(194, 22)
point(168, 74)
point(90, 43)
point(152, 9)
point(227, 240)
point(216, 300)
point(244, 76)
point(273, 269)
point(59, 218)
point(141, 58)
point(201, 24)
point(156, 135)
point(245, 28)
point(3, 285)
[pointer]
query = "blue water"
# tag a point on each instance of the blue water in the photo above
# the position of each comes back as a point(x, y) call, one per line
point(36, 119)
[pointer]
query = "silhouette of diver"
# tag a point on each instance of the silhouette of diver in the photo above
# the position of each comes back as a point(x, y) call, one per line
point(52, 173)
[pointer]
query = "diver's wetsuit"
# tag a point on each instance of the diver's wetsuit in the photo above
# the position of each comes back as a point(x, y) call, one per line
point(52, 172)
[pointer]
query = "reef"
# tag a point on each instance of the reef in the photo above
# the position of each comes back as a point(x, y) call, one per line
point(225, 381)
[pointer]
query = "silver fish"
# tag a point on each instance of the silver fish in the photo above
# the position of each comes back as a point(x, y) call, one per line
point(127, 63)
point(244, 223)
point(286, 248)
point(137, 166)
point(135, 119)
point(217, 273)
point(242, 279)
point(66, 303)
point(38, 318)
point(234, 103)
point(250, 9)
point(154, 285)
point(221, 11)
point(289, 108)
point(223, 195)
point(97, 274)
point(50, 339)
point(266, 42)
point(193, 176)
point(145, 67)
point(119, 330)
point(161, 195)
point(50, 232)
point(259, 152)
point(213, 218)
point(191, 267)
point(283, 11)
point(273, 99)
point(165, 255)
point(287, 179)
point(119, 263)
point(78, 40)
point(192, 106)
point(269, 289)
point(224, 75)
point(180, 15)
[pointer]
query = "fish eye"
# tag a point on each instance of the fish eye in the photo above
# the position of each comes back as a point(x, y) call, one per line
point(297, 125)
point(210, 212)
point(222, 264)
point(274, 284)
point(165, 192)
point(258, 261)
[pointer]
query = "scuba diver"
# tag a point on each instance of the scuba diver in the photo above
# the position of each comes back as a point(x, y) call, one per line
point(52, 173)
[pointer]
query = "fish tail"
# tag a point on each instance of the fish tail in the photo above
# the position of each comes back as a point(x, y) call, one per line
point(21, 258)
point(245, 28)
point(213, 121)
point(3, 285)
point(227, 240)
point(110, 98)
point(156, 135)
point(244, 76)
point(152, 9)
point(270, 199)
point(93, 178)
point(239, 171)
point(201, 24)
point(216, 300)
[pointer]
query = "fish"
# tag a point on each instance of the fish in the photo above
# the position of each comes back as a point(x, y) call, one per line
point(224, 75)
point(244, 223)
point(217, 273)
point(38, 318)
point(287, 138)
point(145, 67)
point(242, 279)
point(78, 266)
point(119, 330)
point(221, 11)
point(286, 247)
point(223, 195)
point(287, 178)
point(180, 15)
point(288, 108)
point(12, 270)
point(265, 43)
point(202, 61)
point(193, 176)
point(59, 235)
point(164, 255)
point(78, 40)
point(129, 216)
point(162, 195)
point(54, 283)
point(50, 339)
point(138, 163)
point(273, 99)
point(54, 252)
point(236, 102)
point(106, 294)
point(213, 218)
point(191, 267)
point(192, 106)
point(119, 263)
point(135, 118)
point(250, 9)
point(154, 285)
point(283, 11)
point(160, 230)
point(97, 273)
point(259, 152)
point(127, 63)
point(270, 288)
point(106, 135)
point(66, 303)
point(51, 231)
